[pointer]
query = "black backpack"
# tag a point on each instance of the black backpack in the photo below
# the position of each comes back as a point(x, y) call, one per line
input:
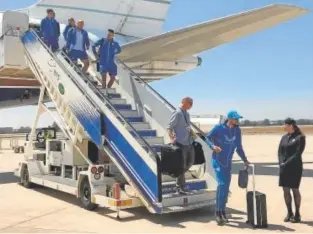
point(243, 178)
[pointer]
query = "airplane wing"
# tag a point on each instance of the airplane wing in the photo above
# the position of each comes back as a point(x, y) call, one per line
point(132, 18)
point(176, 45)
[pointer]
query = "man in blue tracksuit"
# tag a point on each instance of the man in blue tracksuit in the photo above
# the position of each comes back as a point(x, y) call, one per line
point(106, 54)
point(50, 31)
point(71, 24)
point(77, 43)
point(58, 25)
point(223, 139)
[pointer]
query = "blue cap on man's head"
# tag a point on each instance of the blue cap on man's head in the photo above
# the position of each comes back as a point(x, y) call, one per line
point(233, 115)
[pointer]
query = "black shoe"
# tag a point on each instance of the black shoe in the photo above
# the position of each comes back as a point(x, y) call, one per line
point(296, 219)
point(224, 217)
point(219, 219)
point(288, 218)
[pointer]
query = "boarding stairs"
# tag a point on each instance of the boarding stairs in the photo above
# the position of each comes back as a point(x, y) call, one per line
point(128, 122)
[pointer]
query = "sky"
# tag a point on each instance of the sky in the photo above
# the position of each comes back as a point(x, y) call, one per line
point(268, 74)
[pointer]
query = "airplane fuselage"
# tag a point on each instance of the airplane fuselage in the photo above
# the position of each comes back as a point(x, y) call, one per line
point(22, 88)
point(150, 54)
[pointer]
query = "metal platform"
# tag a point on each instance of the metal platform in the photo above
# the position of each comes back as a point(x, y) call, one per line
point(193, 206)
point(192, 200)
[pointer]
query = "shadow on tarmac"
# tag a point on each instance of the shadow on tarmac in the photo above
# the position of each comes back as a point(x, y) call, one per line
point(176, 220)
point(8, 178)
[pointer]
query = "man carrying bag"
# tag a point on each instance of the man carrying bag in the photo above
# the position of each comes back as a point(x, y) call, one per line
point(181, 136)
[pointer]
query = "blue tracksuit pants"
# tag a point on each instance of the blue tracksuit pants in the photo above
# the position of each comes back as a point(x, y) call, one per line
point(223, 176)
point(52, 42)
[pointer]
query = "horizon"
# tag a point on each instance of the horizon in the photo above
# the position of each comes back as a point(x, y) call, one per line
point(241, 122)
point(273, 68)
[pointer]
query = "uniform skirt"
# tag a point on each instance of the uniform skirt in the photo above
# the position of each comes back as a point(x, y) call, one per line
point(290, 176)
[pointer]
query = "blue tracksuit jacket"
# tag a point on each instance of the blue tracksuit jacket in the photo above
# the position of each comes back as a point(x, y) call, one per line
point(229, 140)
point(49, 28)
point(50, 31)
point(108, 50)
point(71, 39)
point(66, 30)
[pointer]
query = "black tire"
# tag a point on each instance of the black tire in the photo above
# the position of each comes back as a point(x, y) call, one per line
point(25, 177)
point(85, 195)
point(22, 150)
point(16, 150)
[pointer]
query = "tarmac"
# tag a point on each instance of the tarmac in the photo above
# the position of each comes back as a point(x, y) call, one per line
point(44, 210)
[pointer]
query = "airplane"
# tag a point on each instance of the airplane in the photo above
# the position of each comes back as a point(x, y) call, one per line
point(138, 23)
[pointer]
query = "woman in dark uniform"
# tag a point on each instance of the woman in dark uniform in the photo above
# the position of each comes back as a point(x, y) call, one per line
point(290, 152)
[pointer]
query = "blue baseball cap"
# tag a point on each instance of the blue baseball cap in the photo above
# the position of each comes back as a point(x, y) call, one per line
point(234, 115)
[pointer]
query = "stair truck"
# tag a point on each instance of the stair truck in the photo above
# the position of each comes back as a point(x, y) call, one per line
point(111, 153)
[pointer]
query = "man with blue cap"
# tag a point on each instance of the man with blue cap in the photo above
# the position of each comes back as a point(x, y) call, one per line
point(223, 139)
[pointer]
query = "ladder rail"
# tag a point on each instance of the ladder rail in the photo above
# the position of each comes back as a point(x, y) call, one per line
point(167, 104)
point(6, 32)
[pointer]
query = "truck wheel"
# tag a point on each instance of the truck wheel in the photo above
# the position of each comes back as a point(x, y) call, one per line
point(25, 178)
point(85, 195)
point(16, 150)
point(22, 150)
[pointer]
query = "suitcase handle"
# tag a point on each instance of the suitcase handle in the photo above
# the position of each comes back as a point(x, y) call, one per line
point(253, 190)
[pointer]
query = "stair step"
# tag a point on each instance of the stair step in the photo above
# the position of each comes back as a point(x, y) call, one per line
point(118, 101)
point(190, 206)
point(191, 200)
point(188, 176)
point(145, 133)
point(108, 90)
point(192, 184)
point(114, 95)
point(122, 106)
point(129, 113)
point(133, 119)
point(155, 148)
point(154, 140)
point(178, 195)
point(141, 126)
point(93, 82)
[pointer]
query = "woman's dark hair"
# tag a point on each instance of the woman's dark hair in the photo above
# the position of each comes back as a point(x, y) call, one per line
point(292, 122)
point(297, 130)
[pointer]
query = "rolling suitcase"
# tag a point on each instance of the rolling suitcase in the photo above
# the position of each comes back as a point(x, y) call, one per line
point(171, 160)
point(256, 206)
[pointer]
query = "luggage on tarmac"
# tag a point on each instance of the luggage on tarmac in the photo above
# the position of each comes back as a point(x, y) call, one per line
point(256, 206)
point(261, 212)
point(199, 154)
point(171, 160)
